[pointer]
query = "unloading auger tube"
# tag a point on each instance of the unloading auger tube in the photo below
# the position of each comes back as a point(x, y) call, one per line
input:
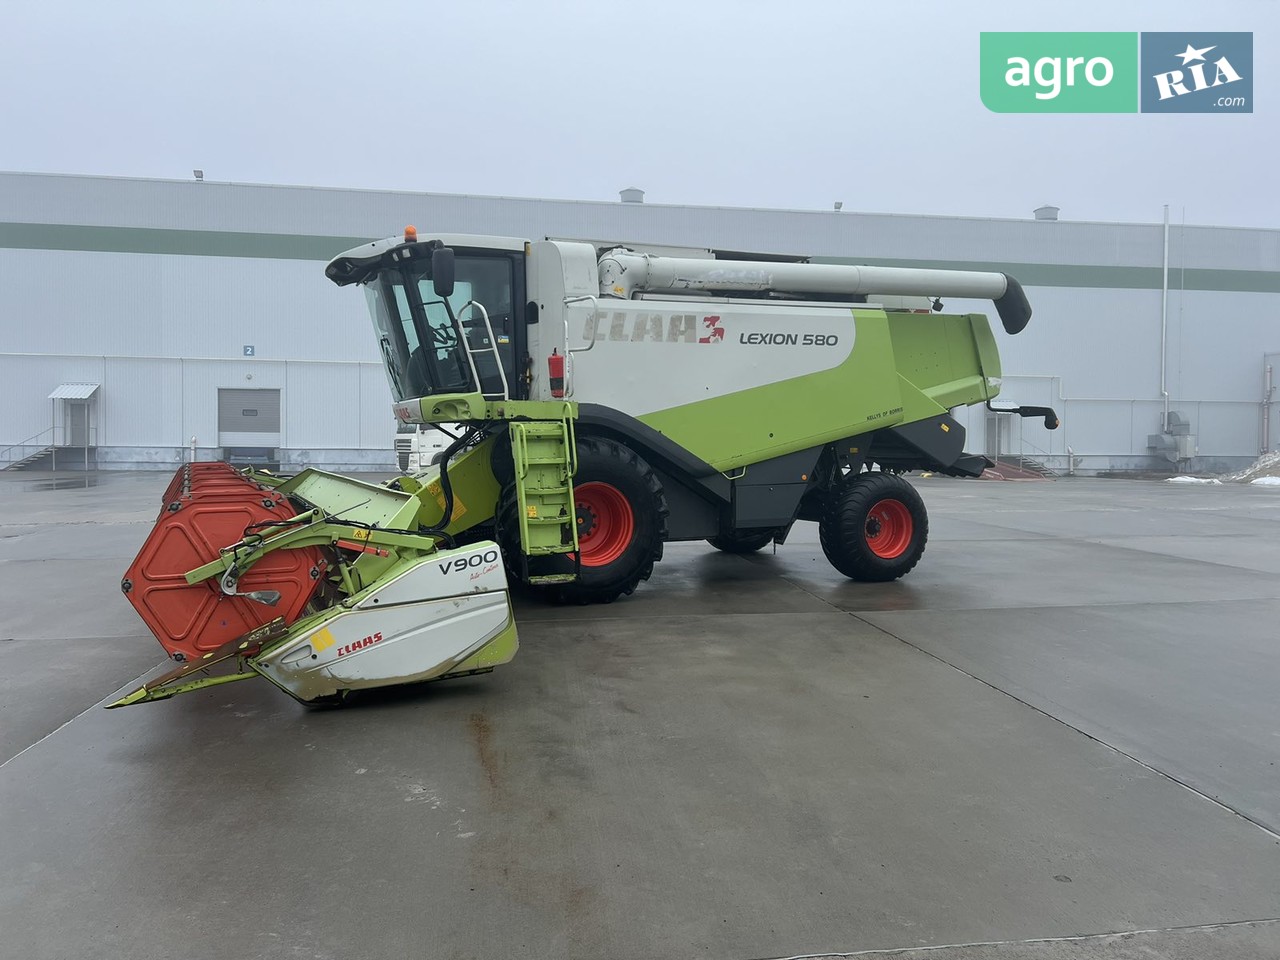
point(623, 273)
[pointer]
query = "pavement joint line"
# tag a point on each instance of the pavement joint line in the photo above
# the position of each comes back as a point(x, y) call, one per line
point(1100, 542)
point(1108, 542)
point(45, 524)
point(1045, 606)
point(1111, 603)
point(96, 636)
point(1084, 733)
point(690, 616)
point(805, 590)
point(115, 693)
point(1084, 938)
point(1028, 536)
point(1054, 536)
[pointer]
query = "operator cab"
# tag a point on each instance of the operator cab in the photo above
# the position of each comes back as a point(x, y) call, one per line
point(429, 301)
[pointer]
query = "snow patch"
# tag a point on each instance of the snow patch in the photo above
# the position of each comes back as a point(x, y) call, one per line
point(1265, 482)
point(1266, 466)
point(1192, 480)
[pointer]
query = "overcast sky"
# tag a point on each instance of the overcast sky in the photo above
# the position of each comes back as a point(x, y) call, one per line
point(789, 103)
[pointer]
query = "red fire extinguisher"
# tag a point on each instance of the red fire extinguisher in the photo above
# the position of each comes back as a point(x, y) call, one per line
point(555, 371)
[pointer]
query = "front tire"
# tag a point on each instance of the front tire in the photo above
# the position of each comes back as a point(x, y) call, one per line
point(621, 512)
point(874, 527)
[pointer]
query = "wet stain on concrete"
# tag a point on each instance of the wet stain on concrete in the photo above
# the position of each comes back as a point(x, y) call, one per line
point(482, 734)
point(70, 483)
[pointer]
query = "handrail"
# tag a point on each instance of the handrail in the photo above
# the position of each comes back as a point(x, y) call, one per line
point(571, 438)
point(6, 459)
point(568, 352)
point(47, 439)
point(595, 309)
point(492, 348)
point(1023, 443)
point(27, 442)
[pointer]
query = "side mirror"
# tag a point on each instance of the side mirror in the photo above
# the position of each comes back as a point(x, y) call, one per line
point(1050, 417)
point(442, 272)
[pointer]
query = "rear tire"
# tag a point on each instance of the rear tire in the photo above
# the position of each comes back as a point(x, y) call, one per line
point(742, 541)
point(874, 527)
point(622, 523)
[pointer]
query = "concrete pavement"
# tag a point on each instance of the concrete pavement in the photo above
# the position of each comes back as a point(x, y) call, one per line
point(1062, 724)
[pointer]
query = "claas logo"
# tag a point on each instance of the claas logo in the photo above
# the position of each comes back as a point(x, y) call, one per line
point(653, 327)
point(714, 332)
point(358, 645)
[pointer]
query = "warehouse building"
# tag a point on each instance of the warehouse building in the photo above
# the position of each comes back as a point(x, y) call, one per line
point(143, 319)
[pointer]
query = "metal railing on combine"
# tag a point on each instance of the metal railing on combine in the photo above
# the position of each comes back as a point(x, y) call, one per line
point(492, 348)
point(569, 354)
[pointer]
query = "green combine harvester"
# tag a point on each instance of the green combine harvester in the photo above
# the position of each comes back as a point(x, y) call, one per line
point(604, 402)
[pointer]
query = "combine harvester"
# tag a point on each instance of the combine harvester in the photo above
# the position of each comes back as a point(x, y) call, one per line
point(609, 401)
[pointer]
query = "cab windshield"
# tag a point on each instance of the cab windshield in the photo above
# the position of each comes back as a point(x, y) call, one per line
point(422, 349)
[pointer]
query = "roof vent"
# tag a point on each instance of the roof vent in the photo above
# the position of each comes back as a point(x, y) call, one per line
point(1047, 212)
point(632, 195)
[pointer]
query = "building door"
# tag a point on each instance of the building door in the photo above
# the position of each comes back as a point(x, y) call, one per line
point(249, 423)
point(999, 435)
point(77, 424)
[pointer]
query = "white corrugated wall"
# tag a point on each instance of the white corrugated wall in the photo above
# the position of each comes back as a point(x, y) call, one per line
point(127, 318)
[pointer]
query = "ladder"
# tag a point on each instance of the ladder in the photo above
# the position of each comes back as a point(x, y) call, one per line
point(492, 348)
point(545, 458)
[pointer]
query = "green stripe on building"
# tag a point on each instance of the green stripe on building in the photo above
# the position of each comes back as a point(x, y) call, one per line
point(183, 243)
point(283, 246)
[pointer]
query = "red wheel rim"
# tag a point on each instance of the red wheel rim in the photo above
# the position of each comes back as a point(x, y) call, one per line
point(889, 529)
point(606, 524)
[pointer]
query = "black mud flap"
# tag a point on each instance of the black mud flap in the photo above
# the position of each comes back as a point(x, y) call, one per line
point(935, 444)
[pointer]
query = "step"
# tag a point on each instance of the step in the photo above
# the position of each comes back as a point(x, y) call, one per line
point(542, 454)
point(32, 459)
point(553, 492)
point(1014, 467)
point(554, 578)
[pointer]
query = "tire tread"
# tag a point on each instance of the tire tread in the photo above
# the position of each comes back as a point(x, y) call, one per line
point(623, 583)
point(841, 531)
